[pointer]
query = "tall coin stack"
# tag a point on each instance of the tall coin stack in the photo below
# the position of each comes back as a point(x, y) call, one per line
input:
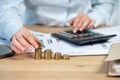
point(38, 52)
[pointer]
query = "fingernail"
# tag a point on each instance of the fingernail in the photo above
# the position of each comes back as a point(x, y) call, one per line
point(74, 31)
point(81, 29)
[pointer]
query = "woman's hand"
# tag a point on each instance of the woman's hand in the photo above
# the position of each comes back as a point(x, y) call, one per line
point(82, 21)
point(23, 40)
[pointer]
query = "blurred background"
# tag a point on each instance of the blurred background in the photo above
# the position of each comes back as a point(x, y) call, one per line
point(115, 18)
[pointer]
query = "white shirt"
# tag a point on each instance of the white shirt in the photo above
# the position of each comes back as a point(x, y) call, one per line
point(50, 13)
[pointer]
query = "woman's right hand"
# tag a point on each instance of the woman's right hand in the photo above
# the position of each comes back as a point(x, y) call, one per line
point(23, 40)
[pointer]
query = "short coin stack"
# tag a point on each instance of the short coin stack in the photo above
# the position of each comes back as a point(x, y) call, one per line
point(66, 57)
point(57, 56)
point(47, 54)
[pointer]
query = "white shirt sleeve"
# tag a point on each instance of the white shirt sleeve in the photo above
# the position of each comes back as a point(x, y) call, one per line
point(101, 11)
point(10, 18)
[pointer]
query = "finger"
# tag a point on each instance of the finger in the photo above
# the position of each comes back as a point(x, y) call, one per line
point(30, 38)
point(71, 22)
point(91, 24)
point(79, 25)
point(77, 28)
point(15, 49)
point(23, 42)
point(36, 39)
point(77, 20)
point(18, 45)
point(40, 44)
point(84, 25)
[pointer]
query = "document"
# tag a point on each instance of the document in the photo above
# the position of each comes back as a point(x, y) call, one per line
point(111, 30)
point(64, 47)
point(57, 45)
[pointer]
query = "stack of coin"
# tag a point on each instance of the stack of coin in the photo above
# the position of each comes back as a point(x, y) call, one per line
point(38, 52)
point(57, 56)
point(48, 54)
point(66, 57)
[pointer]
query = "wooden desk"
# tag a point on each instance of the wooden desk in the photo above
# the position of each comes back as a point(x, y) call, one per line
point(25, 67)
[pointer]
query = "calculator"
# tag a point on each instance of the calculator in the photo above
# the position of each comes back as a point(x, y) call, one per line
point(82, 37)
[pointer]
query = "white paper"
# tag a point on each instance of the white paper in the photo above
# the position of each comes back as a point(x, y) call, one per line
point(71, 49)
point(111, 30)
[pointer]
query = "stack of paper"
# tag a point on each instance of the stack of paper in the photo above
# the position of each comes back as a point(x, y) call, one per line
point(114, 60)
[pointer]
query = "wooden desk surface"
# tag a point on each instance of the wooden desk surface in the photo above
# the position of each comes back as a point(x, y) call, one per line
point(25, 67)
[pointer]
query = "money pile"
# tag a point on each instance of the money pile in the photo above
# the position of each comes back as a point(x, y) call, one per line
point(47, 54)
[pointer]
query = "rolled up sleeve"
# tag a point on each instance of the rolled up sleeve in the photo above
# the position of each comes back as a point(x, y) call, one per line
point(101, 11)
